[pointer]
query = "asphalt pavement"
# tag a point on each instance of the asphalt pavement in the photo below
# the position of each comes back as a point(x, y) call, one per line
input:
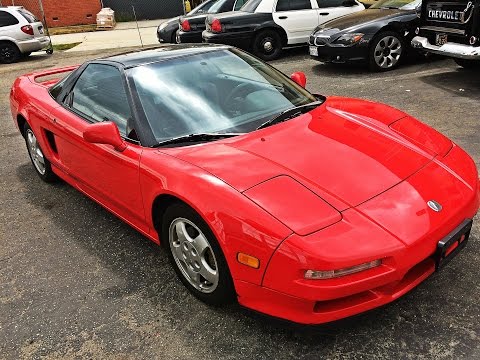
point(76, 282)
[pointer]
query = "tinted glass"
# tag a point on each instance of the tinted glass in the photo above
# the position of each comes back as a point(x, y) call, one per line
point(286, 5)
point(329, 3)
point(203, 7)
point(221, 6)
point(251, 5)
point(217, 91)
point(7, 19)
point(28, 15)
point(100, 95)
point(239, 4)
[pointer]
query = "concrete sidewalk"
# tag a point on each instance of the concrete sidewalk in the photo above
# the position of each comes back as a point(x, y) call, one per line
point(124, 35)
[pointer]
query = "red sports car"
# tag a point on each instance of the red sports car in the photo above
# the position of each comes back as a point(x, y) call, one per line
point(300, 206)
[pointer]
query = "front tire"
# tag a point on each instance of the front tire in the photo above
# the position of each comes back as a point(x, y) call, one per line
point(9, 53)
point(40, 163)
point(386, 51)
point(468, 64)
point(267, 45)
point(196, 255)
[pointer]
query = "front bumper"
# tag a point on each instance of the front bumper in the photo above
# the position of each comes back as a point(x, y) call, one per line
point(449, 49)
point(408, 257)
point(35, 44)
point(341, 55)
point(332, 53)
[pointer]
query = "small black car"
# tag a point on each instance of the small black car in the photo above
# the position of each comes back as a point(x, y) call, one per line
point(379, 36)
point(167, 31)
point(191, 26)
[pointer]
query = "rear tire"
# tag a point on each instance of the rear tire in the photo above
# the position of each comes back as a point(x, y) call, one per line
point(40, 163)
point(196, 256)
point(9, 53)
point(468, 64)
point(267, 45)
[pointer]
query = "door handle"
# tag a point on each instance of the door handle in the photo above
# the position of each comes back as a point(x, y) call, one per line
point(283, 17)
point(324, 14)
point(56, 123)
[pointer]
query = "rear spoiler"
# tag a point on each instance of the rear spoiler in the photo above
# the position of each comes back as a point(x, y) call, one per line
point(34, 77)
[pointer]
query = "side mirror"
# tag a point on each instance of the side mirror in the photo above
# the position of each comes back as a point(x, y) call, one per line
point(105, 133)
point(349, 3)
point(300, 78)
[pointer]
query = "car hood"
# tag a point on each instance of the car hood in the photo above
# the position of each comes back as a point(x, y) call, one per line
point(359, 19)
point(344, 151)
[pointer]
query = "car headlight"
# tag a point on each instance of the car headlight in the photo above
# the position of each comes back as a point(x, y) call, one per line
point(163, 25)
point(349, 39)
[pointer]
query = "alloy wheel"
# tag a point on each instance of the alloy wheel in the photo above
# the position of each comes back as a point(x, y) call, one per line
point(387, 52)
point(193, 255)
point(7, 54)
point(35, 152)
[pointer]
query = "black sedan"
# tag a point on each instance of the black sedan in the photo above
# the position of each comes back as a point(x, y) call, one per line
point(192, 26)
point(167, 31)
point(379, 36)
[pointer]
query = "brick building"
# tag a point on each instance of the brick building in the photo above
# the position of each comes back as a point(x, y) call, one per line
point(61, 12)
point(80, 12)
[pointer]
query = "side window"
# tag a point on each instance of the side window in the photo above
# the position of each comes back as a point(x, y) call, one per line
point(100, 95)
point(239, 4)
point(7, 19)
point(288, 5)
point(329, 3)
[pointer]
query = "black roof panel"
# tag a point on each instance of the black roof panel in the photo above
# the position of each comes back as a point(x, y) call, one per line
point(151, 55)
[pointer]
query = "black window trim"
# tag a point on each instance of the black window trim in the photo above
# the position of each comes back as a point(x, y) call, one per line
point(64, 95)
point(280, 11)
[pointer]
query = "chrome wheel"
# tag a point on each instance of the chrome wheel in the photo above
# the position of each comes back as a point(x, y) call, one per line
point(193, 255)
point(35, 152)
point(387, 52)
point(267, 45)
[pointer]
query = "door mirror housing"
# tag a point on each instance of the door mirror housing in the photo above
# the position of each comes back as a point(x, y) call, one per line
point(349, 3)
point(300, 78)
point(105, 133)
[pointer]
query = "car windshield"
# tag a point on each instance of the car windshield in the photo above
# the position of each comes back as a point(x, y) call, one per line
point(250, 5)
point(217, 91)
point(203, 7)
point(396, 4)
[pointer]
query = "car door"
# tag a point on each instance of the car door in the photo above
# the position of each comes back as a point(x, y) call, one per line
point(109, 176)
point(297, 17)
point(331, 9)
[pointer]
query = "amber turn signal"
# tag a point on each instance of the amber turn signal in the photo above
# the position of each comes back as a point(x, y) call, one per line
point(248, 260)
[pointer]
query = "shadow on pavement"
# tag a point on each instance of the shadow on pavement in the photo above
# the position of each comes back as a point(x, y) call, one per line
point(458, 82)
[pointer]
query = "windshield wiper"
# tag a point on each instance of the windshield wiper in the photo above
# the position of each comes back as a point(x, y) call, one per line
point(196, 138)
point(290, 114)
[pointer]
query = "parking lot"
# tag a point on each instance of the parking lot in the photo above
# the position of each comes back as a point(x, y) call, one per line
point(76, 282)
